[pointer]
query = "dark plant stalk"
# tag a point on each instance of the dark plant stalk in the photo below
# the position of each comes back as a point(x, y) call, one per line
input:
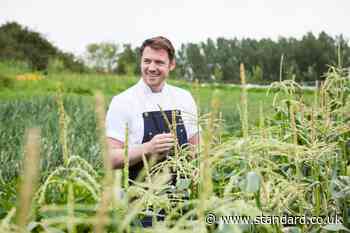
point(126, 159)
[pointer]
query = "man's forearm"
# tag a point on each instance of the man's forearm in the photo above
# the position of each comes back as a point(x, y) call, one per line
point(156, 146)
point(134, 153)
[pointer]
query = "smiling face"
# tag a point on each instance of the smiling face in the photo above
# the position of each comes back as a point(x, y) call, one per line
point(155, 67)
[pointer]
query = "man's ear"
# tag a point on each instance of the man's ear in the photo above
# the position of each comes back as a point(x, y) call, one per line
point(172, 64)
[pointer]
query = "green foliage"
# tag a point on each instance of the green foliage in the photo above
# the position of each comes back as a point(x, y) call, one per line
point(8, 195)
point(128, 62)
point(103, 56)
point(218, 74)
point(77, 172)
point(257, 75)
point(308, 58)
point(12, 68)
point(197, 61)
point(22, 44)
point(43, 111)
point(6, 82)
point(19, 43)
point(71, 63)
point(55, 65)
point(267, 172)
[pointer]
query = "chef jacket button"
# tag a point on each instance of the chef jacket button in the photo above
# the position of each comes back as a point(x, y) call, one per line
point(150, 133)
point(145, 114)
point(181, 130)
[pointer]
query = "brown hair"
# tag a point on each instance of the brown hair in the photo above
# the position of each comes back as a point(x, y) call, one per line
point(159, 42)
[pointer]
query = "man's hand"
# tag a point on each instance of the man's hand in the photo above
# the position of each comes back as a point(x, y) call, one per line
point(159, 143)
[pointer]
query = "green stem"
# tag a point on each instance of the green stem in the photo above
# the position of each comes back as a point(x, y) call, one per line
point(257, 199)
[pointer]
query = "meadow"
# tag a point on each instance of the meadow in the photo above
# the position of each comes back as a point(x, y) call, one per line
point(285, 153)
point(30, 103)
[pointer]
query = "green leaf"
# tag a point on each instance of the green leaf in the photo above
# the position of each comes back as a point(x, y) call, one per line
point(336, 227)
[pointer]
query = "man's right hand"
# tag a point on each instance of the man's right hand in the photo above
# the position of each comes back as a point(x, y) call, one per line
point(159, 143)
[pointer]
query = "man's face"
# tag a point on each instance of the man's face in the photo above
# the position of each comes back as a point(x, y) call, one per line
point(155, 67)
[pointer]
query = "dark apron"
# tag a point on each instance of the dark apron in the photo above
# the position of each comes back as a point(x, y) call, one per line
point(154, 123)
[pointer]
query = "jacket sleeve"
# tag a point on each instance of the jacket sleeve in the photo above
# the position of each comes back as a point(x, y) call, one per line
point(116, 119)
point(190, 116)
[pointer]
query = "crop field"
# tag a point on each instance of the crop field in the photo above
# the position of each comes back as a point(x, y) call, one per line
point(263, 155)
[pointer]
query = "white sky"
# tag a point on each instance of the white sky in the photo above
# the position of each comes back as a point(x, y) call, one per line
point(71, 25)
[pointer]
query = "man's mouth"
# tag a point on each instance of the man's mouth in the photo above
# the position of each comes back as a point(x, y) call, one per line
point(153, 76)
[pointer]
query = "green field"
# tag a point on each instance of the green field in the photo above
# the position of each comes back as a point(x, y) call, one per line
point(291, 158)
point(32, 103)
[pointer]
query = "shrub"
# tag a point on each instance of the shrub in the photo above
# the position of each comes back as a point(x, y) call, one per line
point(6, 82)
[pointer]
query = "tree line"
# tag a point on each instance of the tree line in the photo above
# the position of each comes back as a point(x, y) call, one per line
point(18, 43)
point(266, 60)
point(305, 59)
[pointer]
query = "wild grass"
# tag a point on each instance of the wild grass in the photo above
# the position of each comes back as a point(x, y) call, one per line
point(34, 103)
point(293, 161)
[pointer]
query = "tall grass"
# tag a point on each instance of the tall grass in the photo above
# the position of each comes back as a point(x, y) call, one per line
point(293, 162)
point(29, 177)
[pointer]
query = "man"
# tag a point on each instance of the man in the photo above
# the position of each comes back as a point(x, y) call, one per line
point(139, 107)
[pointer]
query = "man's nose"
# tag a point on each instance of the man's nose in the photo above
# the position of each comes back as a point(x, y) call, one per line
point(152, 66)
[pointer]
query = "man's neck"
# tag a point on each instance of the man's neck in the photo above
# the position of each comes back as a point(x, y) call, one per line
point(158, 88)
point(155, 89)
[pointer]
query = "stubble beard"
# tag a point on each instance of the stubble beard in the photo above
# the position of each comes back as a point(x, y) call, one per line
point(155, 82)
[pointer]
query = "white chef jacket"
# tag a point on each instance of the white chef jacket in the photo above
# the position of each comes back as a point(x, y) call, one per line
point(128, 107)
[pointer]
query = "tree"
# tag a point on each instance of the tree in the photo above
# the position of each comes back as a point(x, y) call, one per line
point(343, 51)
point(257, 74)
point(19, 43)
point(127, 61)
point(229, 55)
point(197, 60)
point(103, 56)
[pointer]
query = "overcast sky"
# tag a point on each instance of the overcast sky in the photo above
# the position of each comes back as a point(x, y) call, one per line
point(71, 25)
